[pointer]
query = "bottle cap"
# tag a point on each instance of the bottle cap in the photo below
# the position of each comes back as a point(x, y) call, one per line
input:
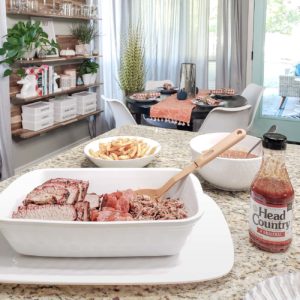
point(274, 141)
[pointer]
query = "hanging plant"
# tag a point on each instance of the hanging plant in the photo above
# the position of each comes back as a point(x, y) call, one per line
point(132, 62)
point(22, 41)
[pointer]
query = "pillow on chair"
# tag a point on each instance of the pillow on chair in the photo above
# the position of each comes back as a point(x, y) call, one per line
point(297, 70)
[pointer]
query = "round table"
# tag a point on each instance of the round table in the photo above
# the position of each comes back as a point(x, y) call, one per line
point(138, 107)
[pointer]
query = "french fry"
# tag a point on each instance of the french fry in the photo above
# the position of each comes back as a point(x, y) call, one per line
point(122, 148)
point(152, 151)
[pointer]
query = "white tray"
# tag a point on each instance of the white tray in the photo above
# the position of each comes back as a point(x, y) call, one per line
point(207, 254)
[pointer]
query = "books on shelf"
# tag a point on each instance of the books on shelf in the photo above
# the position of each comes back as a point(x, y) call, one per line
point(45, 78)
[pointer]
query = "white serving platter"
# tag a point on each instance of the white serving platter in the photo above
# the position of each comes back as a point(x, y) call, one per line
point(207, 254)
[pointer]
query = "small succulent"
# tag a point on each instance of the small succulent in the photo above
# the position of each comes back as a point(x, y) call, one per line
point(88, 67)
point(132, 62)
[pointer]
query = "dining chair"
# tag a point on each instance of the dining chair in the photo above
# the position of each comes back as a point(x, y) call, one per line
point(121, 113)
point(253, 93)
point(224, 119)
point(154, 84)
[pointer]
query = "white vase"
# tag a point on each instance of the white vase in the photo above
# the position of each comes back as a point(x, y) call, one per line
point(29, 54)
point(93, 78)
point(83, 49)
point(86, 78)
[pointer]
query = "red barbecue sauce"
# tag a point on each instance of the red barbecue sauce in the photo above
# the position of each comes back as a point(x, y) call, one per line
point(271, 202)
point(270, 192)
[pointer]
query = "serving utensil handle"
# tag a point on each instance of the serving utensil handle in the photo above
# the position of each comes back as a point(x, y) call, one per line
point(204, 158)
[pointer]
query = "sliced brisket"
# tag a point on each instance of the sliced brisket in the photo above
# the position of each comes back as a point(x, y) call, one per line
point(46, 212)
point(81, 184)
point(47, 194)
point(83, 211)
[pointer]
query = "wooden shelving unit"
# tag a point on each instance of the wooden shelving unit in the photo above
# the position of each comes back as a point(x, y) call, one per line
point(39, 14)
point(59, 64)
point(26, 134)
point(55, 60)
point(80, 88)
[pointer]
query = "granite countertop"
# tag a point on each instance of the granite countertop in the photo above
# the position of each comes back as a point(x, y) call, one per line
point(250, 267)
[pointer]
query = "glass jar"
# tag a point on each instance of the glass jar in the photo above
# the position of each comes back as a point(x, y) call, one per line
point(271, 198)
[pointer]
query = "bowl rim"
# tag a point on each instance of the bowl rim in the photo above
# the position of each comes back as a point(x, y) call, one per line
point(259, 157)
point(87, 147)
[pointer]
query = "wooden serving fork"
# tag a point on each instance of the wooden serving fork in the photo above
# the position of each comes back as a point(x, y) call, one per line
point(205, 157)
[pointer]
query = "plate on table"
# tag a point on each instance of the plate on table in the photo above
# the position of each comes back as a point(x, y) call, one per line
point(203, 104)
point(207, 254)
point(145, 97)
point(223, 96)
point(168, 92)
point(281, 287)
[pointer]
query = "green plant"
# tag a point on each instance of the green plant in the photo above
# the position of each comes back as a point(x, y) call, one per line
point(88, 67)
point(132, 62)
point(21, 38)
point(84, 32)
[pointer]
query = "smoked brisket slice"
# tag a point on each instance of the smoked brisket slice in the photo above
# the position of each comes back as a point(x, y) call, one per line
point(46, 212)
point(47, 194)
point(82, 210)
point(82, 185)
point(72, 188)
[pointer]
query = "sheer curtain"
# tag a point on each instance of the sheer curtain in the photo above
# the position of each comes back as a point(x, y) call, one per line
point(114, 22)
point(232, 44)
point(175, 31)
point(6, 168)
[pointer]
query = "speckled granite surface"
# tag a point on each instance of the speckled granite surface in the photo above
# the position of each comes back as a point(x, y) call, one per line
point(251, 265)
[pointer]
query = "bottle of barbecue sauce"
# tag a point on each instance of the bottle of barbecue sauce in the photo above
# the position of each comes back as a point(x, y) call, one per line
point(271, 198)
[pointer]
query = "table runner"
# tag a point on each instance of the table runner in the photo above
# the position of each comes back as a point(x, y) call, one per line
point(173, 111)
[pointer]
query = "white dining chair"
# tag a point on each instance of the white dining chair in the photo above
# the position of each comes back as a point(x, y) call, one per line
point(154, 84)
point(223, 119)
point(253, 93)
point(121, 113)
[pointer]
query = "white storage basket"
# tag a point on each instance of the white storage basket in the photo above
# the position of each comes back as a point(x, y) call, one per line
point(35, 126)
point(37, 108)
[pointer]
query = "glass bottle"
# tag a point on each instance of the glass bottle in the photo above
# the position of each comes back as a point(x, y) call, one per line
point(271, 198)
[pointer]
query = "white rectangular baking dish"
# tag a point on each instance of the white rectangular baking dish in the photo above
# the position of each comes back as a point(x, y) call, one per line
point(100, 239)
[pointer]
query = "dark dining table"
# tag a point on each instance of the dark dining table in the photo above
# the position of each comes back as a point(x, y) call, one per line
point(142, 107)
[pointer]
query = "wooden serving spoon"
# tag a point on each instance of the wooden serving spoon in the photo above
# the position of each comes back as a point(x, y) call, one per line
point(200, 161)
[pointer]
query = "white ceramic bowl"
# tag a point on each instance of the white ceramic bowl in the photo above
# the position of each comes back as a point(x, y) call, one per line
point(128, 163)
point(100, 239)
point(228, 173)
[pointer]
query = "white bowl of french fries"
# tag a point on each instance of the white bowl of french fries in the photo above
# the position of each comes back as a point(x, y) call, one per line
point(122, 151)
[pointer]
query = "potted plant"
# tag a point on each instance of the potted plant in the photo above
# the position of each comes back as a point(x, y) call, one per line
point(88, 71)
point(84, 32)
point(132, 62)
point(22, 41)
